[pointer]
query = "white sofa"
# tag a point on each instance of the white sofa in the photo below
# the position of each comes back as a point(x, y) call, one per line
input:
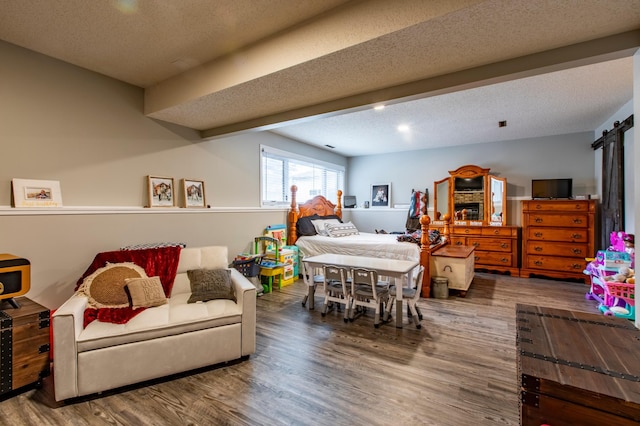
point(160, 341)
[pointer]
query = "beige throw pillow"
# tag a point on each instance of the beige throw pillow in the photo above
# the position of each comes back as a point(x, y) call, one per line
point(145, 292)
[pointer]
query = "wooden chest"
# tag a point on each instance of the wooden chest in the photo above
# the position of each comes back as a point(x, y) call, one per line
point(24, 345)
point(557, 236)
point(577, 368)
point(455, 263)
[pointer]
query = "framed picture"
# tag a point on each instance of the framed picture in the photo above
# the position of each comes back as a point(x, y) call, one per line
point(381, 195)
point(193, 191)
point(161, 191)
point(36, 193)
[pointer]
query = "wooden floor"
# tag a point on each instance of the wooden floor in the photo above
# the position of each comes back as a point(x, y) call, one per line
point(459, 369)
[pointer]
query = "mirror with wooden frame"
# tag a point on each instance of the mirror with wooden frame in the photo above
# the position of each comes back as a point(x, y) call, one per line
point(472, 196)
point(441, 199)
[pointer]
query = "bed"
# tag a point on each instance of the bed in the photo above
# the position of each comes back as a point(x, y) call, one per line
point(361, 244)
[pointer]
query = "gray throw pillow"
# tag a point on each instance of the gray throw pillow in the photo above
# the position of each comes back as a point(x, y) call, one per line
point(210, 284)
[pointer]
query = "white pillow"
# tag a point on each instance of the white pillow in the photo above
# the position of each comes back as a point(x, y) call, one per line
point(319, 224)
point(341, 229)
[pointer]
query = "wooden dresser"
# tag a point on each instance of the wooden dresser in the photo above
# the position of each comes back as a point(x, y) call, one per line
point(557, 236)
point(496, 247)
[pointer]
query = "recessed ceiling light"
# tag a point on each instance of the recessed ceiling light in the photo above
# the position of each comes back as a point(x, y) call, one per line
point(502, 123)
point(378, 107)
point(403, 128)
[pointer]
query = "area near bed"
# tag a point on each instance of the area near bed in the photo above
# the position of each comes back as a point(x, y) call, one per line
point(315, 226)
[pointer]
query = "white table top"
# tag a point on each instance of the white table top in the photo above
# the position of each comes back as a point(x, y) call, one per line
point(391, 267)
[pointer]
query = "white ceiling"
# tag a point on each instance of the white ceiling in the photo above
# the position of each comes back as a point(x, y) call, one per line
point(450, 69)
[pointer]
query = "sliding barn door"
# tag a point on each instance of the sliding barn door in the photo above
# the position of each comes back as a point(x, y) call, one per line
point(612, 203)
point(612, 208)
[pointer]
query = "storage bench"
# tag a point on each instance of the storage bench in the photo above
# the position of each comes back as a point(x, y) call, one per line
point(577, 368)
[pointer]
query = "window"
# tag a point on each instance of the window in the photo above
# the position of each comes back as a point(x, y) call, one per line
point(280, 169)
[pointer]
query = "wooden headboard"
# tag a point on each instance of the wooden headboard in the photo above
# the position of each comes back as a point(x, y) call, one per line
point(317, 205)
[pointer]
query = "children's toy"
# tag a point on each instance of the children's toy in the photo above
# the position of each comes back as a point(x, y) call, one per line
point(619, 300)
point(270, 267)
point(613, 277)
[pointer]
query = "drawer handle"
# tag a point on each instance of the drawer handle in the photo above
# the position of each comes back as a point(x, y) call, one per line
point(458, 243)
point(476, 244)
point(496, 232)
point(538, 220)
point(538, 206)
point(577, 251)
point(577, 266)
point(476, 258)
point(538, 248)
point(538, 263)
point(504, 260)
point(576, 236)
point(538, 234)
point(577, 220)
point(504, 245)
point(466, 231)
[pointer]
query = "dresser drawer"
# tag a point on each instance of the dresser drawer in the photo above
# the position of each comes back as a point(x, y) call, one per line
point(555, 263)
point(550, 234)
point(557, 206)
point(500, 231)
point(489, 244)
point(557, 249)
point(470, 230)
point(493, 258)
point(559, 220)
point(458, 241)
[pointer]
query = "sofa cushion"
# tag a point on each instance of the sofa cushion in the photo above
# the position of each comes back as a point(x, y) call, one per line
point(210, 284)
point(145, 292)
point(105, 286)
point(175, 317)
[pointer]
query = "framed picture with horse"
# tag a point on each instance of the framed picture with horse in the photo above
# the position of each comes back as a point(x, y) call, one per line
point(193, 191)
point(161, 191)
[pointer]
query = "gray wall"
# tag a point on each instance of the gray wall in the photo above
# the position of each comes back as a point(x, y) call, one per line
point(519, 161)
point(60, 122)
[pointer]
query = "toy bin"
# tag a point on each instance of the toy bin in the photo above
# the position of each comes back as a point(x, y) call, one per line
point(247, 266)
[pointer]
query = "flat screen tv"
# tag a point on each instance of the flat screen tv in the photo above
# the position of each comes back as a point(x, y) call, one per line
point(551, 188)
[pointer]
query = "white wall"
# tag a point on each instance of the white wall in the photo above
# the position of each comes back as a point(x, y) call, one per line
point(61, 122)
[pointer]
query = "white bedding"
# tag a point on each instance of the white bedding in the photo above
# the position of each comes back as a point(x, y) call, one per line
point(373, 245)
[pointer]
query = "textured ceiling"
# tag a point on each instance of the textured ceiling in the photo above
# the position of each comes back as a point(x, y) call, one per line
point(231, 65)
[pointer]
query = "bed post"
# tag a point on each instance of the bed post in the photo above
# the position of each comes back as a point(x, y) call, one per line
point(445, 229)
point(292, 218)
point(339, 206)
point(425, 256)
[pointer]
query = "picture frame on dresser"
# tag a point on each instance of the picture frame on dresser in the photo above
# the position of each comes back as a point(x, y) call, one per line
point(160, 191)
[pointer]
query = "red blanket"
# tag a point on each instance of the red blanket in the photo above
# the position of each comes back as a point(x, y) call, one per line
point(161, 262)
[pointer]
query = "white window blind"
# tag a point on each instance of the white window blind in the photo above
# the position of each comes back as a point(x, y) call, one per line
point(280, 169)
